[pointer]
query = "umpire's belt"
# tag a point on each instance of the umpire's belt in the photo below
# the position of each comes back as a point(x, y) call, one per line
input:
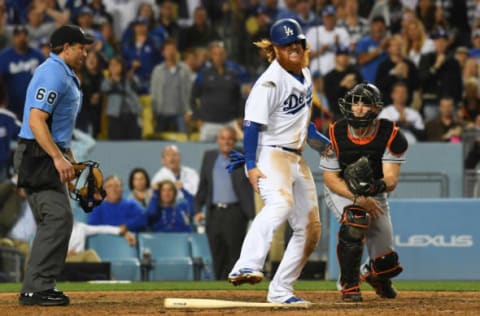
point(33, 142)
point(223, 206)
point(292, 150)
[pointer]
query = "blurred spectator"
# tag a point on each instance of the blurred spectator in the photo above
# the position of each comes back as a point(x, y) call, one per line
point(17, 222)
point(356, 26)
point(475, 46)
point(139, 185)
point(185, 178)
point(228, 201)
point(117, 211)
point(445, 127)
point(305, 15)
point(391, 11)
point(91, 77)
point(288, 10)
point(84, 19)
point(470, 70)
point(471, 101)
point(107, 45)
point(340, 80)
point(191, 60)
point(271, 9)
point(200, 34)
point(45, 48)
point(370, 49)
point(440, 75)
point(100, 14)
point(171, 88)
point(167, 18)
point(408, 119)
point(321, 115)
point(430, 15)
point(123, 108)
point(123, 12)
point(258, 28)
point(3, 25)
point(9, 129)
point(416, 42)
point(80, 233)
point(457, 15)
point(324, 40)
point(473, 155)
point(17, 64)
point(461, 55)
point(141, 53)
point(396, 68)
point(216, 95)
point(166, 213)
point(39, 30)
point(53, 11)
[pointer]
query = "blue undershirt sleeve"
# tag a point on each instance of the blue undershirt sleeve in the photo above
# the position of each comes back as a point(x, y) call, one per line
point(250, 142)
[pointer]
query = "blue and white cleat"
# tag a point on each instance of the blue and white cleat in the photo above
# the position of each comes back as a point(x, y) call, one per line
point(294, 302)
point(245, 275)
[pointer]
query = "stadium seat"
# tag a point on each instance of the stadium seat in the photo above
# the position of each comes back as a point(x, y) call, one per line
point(123, 258)
point(170, 253)
point(201, 249)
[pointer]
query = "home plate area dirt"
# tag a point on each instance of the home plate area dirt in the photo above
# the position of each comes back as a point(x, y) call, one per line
point(325, 303)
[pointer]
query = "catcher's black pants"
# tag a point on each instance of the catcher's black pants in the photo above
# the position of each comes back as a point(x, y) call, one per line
point(54, 217)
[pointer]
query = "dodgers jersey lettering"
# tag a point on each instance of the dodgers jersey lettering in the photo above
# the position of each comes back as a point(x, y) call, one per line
point(282, 104)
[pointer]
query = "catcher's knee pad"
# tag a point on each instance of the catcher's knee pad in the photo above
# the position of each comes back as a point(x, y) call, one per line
point(385, 266)
point(354, 222)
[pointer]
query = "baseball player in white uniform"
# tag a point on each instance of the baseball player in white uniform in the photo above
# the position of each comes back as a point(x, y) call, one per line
point(277, 115)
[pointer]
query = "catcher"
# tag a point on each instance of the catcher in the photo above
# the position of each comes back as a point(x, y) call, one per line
point(360, 167)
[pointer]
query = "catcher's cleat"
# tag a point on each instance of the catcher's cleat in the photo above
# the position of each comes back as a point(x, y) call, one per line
point(351, 294)
point(245, 275)
point(383, 287)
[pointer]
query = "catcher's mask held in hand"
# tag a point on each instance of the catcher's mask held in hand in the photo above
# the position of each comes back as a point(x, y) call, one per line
point(87, 188)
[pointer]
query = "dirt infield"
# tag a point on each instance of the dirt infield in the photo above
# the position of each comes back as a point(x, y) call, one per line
point(326, 303)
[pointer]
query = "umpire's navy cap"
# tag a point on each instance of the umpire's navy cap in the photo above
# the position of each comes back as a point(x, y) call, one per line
point(69, 34)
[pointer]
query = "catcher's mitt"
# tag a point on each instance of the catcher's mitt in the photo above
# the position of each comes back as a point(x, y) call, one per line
point(359, 177)
point(87, 188)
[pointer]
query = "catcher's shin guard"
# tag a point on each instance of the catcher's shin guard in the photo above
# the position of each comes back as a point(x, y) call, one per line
point(378, 272)
point(349, 251)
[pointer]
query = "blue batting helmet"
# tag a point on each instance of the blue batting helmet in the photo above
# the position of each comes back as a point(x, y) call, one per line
point(286, 31)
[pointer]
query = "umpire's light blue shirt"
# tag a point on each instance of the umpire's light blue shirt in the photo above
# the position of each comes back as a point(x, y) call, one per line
point(55, 89)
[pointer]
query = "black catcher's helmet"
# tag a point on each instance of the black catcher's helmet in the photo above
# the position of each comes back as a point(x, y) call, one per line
point(369, 95)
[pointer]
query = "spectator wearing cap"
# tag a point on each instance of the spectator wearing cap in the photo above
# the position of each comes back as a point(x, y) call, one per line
point(324, 40)
point(370, 49)
point(396, 68)
point(84, 19)
point(440, 75)
point(17, 64)
point(141, 53)
point(340, 79)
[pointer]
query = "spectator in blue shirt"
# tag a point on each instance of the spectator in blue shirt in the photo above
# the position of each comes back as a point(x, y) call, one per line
point(17, 64)
point(9, 128)
point(165, 213)
point(116, 211)
point(370, 49)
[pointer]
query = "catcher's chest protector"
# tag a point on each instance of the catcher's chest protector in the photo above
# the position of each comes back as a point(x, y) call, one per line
point(349, 150)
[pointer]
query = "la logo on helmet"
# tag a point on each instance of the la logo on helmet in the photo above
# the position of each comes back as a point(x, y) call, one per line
point(288, 31)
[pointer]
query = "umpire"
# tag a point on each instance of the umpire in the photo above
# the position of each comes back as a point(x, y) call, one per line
point(43, 160)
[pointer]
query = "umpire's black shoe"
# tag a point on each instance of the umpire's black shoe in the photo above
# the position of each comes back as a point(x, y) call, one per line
point(52, 297)
point(383, 287)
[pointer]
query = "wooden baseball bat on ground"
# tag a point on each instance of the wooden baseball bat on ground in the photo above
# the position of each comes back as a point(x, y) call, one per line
point(211, 303)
